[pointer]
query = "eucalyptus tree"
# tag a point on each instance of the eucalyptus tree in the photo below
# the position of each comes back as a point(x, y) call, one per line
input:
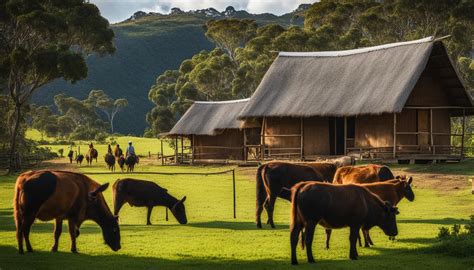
point(107, 105)
point(43, 40)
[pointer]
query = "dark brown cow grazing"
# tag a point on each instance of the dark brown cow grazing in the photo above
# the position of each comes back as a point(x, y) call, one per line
point(337, 206)
point(274, 176)
point(110, 161)
point(143, 193)
point(61, 195)
point(362, 174)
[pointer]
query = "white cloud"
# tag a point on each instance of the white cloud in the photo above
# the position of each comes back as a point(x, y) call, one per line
point(118, 10)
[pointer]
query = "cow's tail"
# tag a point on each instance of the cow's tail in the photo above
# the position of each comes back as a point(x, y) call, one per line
point(16, 205)
point(260, 186)
point(295, 216)
point(385, 173)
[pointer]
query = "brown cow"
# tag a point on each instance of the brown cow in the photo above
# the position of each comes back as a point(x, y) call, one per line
point(147, 194)
point(274, 176)
point(337, 206)
point(61, 195)
point(362, 174)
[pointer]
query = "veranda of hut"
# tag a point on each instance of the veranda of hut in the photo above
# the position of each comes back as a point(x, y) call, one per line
point(397, 101)
point(209, 131)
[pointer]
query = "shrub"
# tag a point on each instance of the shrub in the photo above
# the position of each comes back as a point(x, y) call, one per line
point(61, 152)
point(101, 137)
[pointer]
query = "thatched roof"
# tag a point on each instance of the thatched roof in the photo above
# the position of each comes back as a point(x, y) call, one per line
point(209, 117)
point(370, 80)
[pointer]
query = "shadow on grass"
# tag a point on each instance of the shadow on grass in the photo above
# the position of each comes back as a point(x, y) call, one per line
point(230, 225)
point(444, 221)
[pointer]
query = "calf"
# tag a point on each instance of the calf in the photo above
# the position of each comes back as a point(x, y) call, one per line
point(61, 195)
point(337, 206)
point(148, 194)
point(362, 174)
point(110, 161)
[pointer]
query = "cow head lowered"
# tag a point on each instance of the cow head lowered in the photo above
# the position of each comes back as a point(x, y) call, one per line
point(179, 211)
point(388, 219)
point(99, 211)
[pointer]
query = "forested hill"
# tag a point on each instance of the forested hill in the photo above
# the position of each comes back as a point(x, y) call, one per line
point(147, 45)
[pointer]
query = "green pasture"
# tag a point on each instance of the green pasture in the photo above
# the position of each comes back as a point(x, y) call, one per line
point(142, 145)
point(213, 239)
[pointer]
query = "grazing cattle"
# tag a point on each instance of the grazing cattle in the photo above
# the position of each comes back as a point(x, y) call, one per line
point(79, 159)
point(70, 156)
point(61, 195)
point(121, 162)
point(130, 161)
point(362, 174)
point(110, 161)
point(337, 206)
point(274, 176)
point(147, 194)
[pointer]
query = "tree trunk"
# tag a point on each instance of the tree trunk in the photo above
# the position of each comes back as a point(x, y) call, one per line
point(13, 142)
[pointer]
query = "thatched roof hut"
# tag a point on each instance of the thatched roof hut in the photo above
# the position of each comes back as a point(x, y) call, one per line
point(351, 100)
point(213, 129)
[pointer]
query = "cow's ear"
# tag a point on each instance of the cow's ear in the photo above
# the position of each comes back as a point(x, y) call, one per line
point(398, 177)
point(410, 179)
point(183, 199)
point(387, 206)
point(102, 188)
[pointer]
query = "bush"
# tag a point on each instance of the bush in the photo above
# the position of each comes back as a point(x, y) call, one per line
point(101, 137)
point(61, 152)
point(456, 241)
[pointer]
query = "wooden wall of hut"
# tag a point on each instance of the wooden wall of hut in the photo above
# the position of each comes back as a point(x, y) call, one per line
point(227, 145)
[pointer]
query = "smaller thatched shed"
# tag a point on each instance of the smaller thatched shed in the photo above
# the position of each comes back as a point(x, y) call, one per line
point(213, 130)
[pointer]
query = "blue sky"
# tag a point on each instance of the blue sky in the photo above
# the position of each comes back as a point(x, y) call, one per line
point(119, 10)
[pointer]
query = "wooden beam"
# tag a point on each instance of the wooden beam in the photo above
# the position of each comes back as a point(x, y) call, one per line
point(394, 135)
point(302, 138)
point(162, 154)
point(182, 148)
point(264, 126)
point(245, 146)
point(345, 135)
point(431, 132)
point(192, 149)
point(463, 131)
point(335, 136)
point(176, 149)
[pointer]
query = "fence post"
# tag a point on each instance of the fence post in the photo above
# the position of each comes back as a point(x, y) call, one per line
point(166, 213)
point(162, 157)
point(233, 191)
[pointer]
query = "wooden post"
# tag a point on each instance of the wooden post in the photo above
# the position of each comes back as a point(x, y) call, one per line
point(264, 126)
point(345, 135)
point(302, 138)
point(394, 135)
point(192, 149)
point(244, 156)
point(162, 154)
point(166, 213)
point(182, 148)
point(463, 131)
point(431, 132)
point(149, 154)
point(335, 136)
point(176, 149)
point(233, 192)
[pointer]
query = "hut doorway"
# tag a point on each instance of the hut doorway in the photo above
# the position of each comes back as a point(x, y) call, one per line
point(423, 127)
point(341, 134)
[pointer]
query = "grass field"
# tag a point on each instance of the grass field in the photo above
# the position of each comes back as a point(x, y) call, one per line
point(212, 239)
point(142, 145)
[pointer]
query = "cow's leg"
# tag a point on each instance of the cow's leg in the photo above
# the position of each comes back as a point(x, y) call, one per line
point(309, 235)
point(19, 234)
point(258, 214)
point(294, 235)
point(270, 208)
point(118, 203)
point(58, 228)
point(73, 233)
point(148, 215)
point(328, 237)
point(366, 238)
point(27, 223)
point(359, 239)
point(353, 242)
point(265, 206)
point(369, 239)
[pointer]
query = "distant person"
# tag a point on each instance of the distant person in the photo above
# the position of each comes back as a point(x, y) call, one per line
point(118, 151)
point(130, 150)
point(109, 150)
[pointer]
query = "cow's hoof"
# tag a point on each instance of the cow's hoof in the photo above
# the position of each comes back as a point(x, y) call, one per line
point(294, 262)
point(54, 249)
point(311, 261)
